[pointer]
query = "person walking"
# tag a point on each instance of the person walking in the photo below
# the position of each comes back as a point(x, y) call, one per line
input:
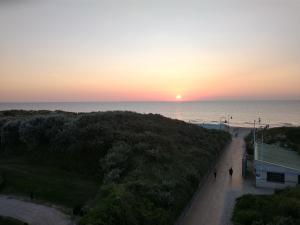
point(215, 173)
point(230, 171)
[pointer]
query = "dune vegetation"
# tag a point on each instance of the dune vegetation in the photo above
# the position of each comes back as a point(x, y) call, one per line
point(109, 167)
point(281, 208)
point(10, 221)
point(287, 137)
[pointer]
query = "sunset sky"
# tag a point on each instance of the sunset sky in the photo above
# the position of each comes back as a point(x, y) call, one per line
point(149, 50)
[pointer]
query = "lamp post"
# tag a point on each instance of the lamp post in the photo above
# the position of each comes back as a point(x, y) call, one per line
point(226, 120)
point(254, 133)
point(229, 117)
point(222, 117)
point(262, 135)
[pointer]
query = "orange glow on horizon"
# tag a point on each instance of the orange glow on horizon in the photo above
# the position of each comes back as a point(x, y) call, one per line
point(160, 76)
point(142, 51)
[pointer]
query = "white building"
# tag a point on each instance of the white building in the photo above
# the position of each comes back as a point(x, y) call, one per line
point(276, 167)
point(214, 126)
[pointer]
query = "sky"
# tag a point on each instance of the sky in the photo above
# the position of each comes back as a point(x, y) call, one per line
point(141, 50)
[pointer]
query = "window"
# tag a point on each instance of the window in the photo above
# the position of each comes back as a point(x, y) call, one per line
point(275, 177)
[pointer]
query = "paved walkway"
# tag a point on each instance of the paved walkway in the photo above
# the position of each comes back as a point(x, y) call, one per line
point(213, 205)
point(32, 213)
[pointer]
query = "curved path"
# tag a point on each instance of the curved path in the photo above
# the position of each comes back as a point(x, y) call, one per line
point(214, 202)
point(32, 213)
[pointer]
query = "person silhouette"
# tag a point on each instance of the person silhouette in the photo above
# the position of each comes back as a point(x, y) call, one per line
point(215, 173)
point(230, 171)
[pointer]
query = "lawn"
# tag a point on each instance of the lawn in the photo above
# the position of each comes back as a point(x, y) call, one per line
point(287, 137)
point(46, 183)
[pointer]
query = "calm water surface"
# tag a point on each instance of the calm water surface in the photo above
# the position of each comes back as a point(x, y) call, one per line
point(275, 113)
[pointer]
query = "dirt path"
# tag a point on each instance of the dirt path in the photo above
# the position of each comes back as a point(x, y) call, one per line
point(32, 213)
point(214, 202)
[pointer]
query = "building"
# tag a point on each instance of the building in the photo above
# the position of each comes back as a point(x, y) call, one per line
point(214, 126)
point(276, 167)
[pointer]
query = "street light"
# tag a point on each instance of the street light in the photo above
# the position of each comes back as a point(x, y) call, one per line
point(259, 127)
point(254, 133)
point(222, 117)
point(226, 119)
point(229, 118)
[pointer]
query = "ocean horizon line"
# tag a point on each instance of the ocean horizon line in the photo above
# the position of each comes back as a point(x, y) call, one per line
point(273, 112)
point(154, 101)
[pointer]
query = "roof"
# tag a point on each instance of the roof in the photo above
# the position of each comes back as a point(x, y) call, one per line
point(213, 126)
point(277, 155)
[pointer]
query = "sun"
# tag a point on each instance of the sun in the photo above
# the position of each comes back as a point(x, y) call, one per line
point(178, 97)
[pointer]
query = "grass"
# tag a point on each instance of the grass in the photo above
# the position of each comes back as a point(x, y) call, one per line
point(287, 137)
point(46, 183)
point(10, 221)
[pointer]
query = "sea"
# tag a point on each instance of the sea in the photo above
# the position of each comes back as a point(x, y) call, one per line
point(237, 113)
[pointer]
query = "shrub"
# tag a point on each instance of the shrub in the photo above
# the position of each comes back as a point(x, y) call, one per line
point(287, 137)
point(283, 207)
point(2, 180)
point(246, 217)
point(147, 166)
point(10, 133)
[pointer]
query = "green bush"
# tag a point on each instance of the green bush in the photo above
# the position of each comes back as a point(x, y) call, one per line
point(246, 217)
point(119, 206)
point(147, 166)
point(2, 180)
point(288, 137)
point(281, 208)
point(10, 221)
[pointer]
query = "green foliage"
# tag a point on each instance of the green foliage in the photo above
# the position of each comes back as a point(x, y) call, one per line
point(10, 221)
point(281, 208)
point(40, 130)
point(2, 180)
point(10, 135)
point(147, 166)
point(287, 137)
point(115, 162)
point(249, 143)
point(46, 183)
point(118, 206)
